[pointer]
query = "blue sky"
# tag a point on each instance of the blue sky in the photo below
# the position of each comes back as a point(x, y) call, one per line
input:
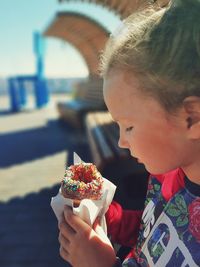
point(20, 18)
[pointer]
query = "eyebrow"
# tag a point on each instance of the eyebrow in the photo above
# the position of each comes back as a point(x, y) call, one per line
point(120, 120)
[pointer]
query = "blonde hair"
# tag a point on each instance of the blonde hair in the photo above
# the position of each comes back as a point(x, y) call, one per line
point(162, 47)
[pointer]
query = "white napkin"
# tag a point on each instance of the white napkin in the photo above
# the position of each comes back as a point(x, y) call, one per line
point(88, 209)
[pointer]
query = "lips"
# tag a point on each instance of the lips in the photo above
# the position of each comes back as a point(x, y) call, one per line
point(138, 160)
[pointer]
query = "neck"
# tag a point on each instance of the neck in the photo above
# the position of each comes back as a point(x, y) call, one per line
point(193, 173)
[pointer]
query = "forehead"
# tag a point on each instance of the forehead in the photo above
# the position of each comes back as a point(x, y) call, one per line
point(122, 83)
point(121, 90)
point(118, 79)
point(124, 98)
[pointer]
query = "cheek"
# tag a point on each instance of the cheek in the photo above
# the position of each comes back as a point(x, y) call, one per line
point(147, 145)
point(138, 144)
point(159, 153)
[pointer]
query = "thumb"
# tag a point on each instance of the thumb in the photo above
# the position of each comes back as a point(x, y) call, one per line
point(76, 223)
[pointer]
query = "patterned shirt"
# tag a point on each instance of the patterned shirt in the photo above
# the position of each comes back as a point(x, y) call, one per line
point(169, 231)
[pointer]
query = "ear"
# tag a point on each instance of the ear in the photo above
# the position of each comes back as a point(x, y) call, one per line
point(191, 106)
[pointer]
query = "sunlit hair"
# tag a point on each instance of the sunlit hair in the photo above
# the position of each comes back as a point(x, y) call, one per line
point(162, 47)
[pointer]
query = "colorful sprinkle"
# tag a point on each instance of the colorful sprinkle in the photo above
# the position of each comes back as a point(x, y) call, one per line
point(82, 181)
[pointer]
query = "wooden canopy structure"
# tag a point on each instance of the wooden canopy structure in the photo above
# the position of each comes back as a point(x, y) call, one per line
point(123, 8)
point(84, 33)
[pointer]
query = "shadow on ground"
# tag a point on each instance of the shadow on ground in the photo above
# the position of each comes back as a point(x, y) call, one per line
point(29, 232)
point(28, 226)
point(31, 144)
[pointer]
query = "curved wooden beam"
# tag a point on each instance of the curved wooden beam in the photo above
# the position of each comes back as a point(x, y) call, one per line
point(87, 35)
point(123, 8)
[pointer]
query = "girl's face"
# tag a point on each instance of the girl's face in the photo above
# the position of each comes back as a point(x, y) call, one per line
point(153, 136)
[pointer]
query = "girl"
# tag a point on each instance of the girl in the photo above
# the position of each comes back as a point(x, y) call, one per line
point(151, 71)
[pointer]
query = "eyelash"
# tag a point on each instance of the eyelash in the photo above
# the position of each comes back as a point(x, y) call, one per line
point(129, 129)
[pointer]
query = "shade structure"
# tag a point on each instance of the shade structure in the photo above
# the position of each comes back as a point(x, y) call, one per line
point(123, 8)
point(84, 33)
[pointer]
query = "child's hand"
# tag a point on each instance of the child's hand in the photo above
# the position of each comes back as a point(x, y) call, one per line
point(80, 245)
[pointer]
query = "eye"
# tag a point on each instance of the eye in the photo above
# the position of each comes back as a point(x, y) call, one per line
point(129, 129)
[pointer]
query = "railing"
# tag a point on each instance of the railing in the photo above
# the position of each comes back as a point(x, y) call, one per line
point(18, 92)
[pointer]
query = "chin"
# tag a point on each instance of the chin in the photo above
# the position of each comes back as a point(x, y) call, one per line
point(157, 170)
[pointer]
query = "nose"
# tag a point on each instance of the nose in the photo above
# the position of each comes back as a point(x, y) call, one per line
point(122, 143)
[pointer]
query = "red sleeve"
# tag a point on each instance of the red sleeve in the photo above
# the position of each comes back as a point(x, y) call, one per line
point(123, 225)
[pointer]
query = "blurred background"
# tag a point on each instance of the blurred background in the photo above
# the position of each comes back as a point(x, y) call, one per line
point(49, 54)
point(36, 72)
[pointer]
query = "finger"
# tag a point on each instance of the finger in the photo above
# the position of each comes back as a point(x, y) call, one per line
point(63, 242)
point(64, 254)
point(75, 222)
point(66, 230)
point(61, 220)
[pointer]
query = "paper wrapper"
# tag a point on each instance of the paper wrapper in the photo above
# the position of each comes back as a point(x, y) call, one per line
point(88, 209)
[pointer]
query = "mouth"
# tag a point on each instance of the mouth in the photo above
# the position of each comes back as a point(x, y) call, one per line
point(138, 160)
